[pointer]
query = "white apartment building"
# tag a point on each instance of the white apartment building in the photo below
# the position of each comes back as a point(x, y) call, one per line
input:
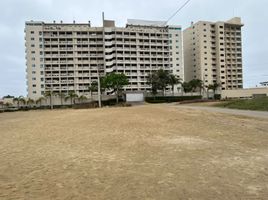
point(213, 53)
point(63, 57)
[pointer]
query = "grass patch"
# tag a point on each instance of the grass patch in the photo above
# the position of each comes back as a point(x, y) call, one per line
point(260, 104)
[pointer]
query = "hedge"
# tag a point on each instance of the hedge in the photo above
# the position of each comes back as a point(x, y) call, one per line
point(170, 99)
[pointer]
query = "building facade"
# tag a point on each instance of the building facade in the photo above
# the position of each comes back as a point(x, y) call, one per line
point(213, 53)
point(63, 57)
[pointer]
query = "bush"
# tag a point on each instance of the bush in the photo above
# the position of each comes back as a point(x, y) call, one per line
point(110, 102)
point(170, 99)
point(217, 96)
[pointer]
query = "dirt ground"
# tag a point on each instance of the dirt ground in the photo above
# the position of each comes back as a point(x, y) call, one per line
point(146, 152)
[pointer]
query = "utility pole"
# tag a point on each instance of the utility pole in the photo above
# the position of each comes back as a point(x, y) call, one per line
point(99, 87)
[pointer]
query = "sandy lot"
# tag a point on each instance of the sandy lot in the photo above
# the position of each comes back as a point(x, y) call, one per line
point(146, 152)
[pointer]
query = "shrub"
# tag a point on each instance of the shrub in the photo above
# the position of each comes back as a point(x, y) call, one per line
point(169, 99)
point(217, 96)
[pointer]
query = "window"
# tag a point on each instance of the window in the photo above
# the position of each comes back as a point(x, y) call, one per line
point(32, 45)
point(34, 92)
point(33, 65)
point(33, 72)
point(34, 85)
point(40, 46)
point(32, 32)
point(33, 58)
point(33, 52)
point(32, 39)
point(42, 79)
point(33, 78)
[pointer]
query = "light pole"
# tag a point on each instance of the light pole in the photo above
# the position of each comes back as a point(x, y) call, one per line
point(99, 87)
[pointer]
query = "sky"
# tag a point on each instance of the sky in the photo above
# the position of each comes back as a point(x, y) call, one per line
point(14, 13)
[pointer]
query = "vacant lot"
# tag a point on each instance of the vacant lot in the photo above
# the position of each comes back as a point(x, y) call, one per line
point(146, 152)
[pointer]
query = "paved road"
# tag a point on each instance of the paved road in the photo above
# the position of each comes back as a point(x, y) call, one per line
point(261, 114)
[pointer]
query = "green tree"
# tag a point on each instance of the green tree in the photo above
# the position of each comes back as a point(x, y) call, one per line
point(61, 96)
point(115, 82)
point(173, 80)
point(213, 87)
point(82, 98)
point(196, 83)
point(19, 100)
point(30, 102)
point(163, 78)
point(153, 81)
point(93, 88)
point(159, 80)
point(50, 95)
point(71, 95)
point(39, 101)
point(187, 87)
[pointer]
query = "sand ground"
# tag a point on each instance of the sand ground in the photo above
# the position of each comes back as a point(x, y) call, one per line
point(147, 152)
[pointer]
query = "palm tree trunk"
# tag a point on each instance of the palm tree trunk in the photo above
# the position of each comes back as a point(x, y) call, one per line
point(51, 104)
point(117, 96)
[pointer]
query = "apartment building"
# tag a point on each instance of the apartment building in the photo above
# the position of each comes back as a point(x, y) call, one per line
point(63, 57)
point(213, 53)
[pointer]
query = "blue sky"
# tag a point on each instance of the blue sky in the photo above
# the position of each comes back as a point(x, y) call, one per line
point(14, 13)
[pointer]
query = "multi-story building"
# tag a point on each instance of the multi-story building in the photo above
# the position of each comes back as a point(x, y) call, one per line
point(213, 53)
point(63, 57)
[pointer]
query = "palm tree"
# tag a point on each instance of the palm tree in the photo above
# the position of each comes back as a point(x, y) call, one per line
point(163, 76)
point(71, 95)
point(30, 101)
point(62, 96)
point(19, 100)
point(213, 87)
point(187, 87)
point(82, 98)
point(50, 95)
point(39, 101)
point(93, 88)
point(196, 83)
point(174, 80)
